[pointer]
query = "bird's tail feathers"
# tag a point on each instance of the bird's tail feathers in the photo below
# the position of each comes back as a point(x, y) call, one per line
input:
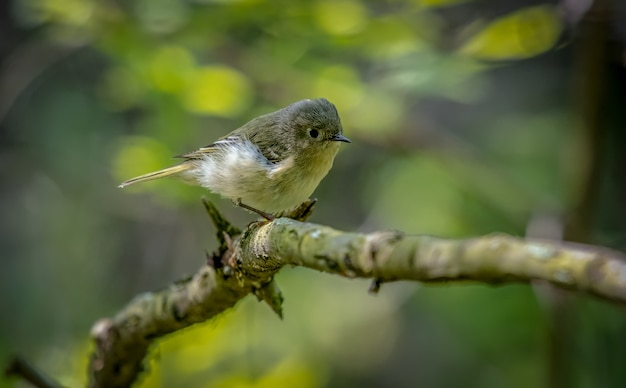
point(156, 175)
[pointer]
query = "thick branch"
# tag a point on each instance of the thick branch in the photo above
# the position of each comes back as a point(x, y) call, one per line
point(122, 342)
point(249, 264)
point(391, 256)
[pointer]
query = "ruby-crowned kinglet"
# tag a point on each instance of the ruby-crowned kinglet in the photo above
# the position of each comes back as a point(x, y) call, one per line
point(272, 163)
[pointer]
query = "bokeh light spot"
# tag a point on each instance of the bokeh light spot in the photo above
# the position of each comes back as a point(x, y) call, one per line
point(340, 17)
point(218, 90)
point(139, 155)
point(171, 68)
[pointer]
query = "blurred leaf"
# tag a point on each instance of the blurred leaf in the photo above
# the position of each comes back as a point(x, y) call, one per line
point(343, 17)
point(340, 84)
point(390, 36)
point(522, 34)
point(293, 373)
point(218, 90)
point(68, 12)
point(171, 68)
point(139, 155)
point(287, 373)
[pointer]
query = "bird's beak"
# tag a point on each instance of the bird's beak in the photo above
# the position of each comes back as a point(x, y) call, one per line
point(342, 138)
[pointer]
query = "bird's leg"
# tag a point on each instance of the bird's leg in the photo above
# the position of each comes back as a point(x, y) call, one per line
point(263, 214)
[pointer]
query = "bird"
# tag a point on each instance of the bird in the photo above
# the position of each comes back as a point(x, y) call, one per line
point(271, 164)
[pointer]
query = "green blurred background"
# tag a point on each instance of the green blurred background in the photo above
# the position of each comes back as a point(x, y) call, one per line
point(467, 117)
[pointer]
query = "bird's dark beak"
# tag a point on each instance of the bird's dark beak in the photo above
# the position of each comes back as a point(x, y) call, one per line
point(342, 138)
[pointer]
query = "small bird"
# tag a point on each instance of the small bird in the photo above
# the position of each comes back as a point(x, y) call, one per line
point(271, 164)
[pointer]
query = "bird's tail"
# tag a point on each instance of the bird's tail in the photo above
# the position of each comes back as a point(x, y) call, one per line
point(157, 174)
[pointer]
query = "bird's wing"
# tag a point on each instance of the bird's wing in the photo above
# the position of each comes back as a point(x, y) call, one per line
point(203, 151)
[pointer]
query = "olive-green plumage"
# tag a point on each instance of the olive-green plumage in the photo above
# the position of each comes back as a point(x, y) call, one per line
point(272, 163)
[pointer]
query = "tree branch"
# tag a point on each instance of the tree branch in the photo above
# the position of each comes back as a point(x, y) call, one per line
point(392, 256)
point(248, 264)
point(19, 367)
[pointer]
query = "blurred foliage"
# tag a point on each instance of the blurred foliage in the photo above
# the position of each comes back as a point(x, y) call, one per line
point(521, 34)
point(463, 122)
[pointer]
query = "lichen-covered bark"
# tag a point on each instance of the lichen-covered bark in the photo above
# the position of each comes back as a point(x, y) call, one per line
point(390, 256)
point(247, 265)
point(122, 342)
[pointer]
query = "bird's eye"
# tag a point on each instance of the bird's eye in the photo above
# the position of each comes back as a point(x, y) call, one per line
point(313, 133)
